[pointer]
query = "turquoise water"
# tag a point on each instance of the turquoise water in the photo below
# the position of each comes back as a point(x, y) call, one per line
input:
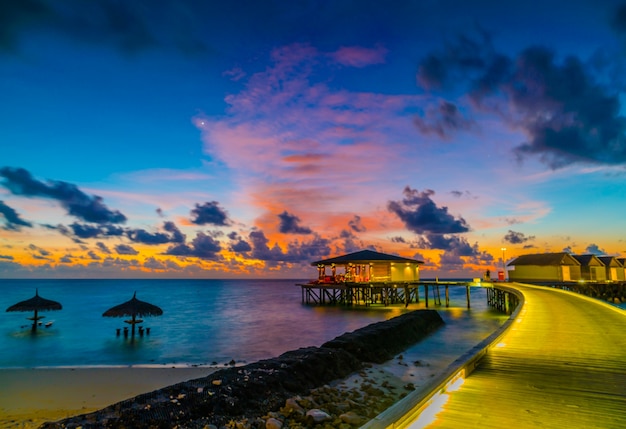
point(204, 322)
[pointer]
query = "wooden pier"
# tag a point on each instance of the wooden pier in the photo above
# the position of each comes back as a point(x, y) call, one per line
point(382, 293)
point(559, 361)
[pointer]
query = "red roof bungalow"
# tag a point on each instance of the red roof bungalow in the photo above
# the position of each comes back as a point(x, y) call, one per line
point(367, 266)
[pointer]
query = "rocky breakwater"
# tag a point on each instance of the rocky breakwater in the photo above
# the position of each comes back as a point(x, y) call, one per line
point(291, 390)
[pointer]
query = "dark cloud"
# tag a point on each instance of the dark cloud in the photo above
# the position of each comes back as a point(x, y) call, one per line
point(7, 257)
point(39, 250)
point(297, 252)
point(16, 16)
point(203, 246)
point(594, 249)
point(618, 21)
point(84, 231)
point(145, 237)
point(517, 237)
point(12, 219)
point(77, 203)
point(238, 244)
point(398, 239)
point(209, 213)
point(356, 225)
point(349, 242)
point(159, 212)
point(567, 114)
point(443, 120)
point(290, 224)
point(421, 215)
point(103, 248)
point(457, 251)
point(130, 27)
point(93, 255)
point(125, 249)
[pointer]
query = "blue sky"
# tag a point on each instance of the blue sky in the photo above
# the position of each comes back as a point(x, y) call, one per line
point(247, 139)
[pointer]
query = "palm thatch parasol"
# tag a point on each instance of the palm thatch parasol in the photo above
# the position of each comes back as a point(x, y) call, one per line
point(133, 308)
point(36, 304)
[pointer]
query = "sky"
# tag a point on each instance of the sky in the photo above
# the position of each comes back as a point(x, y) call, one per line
point(247, 139)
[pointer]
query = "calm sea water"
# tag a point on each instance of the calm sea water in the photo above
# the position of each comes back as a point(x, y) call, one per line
point(204, 322)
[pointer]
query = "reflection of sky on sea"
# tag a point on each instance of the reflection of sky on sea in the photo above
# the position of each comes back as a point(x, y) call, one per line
point(205, 321)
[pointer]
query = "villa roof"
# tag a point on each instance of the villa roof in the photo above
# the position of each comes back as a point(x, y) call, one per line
point(364, 256)
point(560, 258)
point(610, 261)
point(588, 259)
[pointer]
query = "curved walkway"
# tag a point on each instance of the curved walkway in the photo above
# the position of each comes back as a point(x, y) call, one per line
point(562, 365)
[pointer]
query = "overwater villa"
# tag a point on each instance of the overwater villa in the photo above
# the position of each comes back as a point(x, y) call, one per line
point(367, 266)
point(545, 267)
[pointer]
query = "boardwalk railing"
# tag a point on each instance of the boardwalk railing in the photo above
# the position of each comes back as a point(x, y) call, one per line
point(408, 409)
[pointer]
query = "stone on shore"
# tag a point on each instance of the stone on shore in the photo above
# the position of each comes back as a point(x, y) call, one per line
point(294, 383)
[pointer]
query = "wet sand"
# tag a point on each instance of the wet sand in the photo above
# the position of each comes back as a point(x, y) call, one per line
point(30, 397)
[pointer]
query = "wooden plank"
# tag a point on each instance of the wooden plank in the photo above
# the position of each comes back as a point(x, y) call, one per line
point(563, 364)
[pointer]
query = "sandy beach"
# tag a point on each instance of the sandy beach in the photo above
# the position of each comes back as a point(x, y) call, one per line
point(30, 397)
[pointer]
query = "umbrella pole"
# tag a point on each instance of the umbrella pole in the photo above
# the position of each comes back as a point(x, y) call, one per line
point(34, 328)
point(133, 328)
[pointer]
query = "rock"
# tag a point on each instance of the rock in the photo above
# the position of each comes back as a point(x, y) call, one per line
point(291, 406)
point(352, 418)
point(273, 423)
point(318, 416)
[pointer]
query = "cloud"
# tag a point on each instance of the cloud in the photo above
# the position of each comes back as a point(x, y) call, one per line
point(421, 215)
point(357, 56)
point(238, 244)
point(297, 252)
point(457, 251)
point(209, 213)
point(517, 237)
point(103, 248)
point(125, 249)
point(128, 27)
point(145, 237)
point(566, 113)
point(444, 120)
point(85, 231)
point(288, 125)
point(13, 221)
point(203, 246)
point(88, 208)
point(289, 224)
point(595, 250)
point(618, 21)
point(7, 257)
point(356, 225)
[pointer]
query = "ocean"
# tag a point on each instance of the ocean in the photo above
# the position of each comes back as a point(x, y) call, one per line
point(204, 322)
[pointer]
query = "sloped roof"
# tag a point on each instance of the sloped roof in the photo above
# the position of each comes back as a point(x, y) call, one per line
point(610, 261)
point(621, 261)
point(365, 256)
point(560, 258)
point(588, 260)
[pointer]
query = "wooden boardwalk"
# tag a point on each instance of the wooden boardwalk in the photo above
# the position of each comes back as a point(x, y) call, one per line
point(561, 365)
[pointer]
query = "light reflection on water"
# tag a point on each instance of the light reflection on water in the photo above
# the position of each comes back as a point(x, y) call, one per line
point(204, 321)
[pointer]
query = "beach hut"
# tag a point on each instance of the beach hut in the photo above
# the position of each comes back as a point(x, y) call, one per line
point(591, 268)
point(36, 304)
point(544, 267)
point(133, 308)
point(368, 266)
point(614, 270)
point(622, 262)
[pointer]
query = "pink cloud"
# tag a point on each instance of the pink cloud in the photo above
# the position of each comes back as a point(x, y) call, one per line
point(293, 142)
point(357, 56)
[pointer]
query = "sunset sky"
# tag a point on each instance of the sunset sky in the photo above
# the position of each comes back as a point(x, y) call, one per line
point(206, 139)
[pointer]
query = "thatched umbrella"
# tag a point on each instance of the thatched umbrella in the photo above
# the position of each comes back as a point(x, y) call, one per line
point(133, 308)
point(36, 304)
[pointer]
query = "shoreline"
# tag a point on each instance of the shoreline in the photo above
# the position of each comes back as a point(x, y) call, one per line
point(32, 396)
